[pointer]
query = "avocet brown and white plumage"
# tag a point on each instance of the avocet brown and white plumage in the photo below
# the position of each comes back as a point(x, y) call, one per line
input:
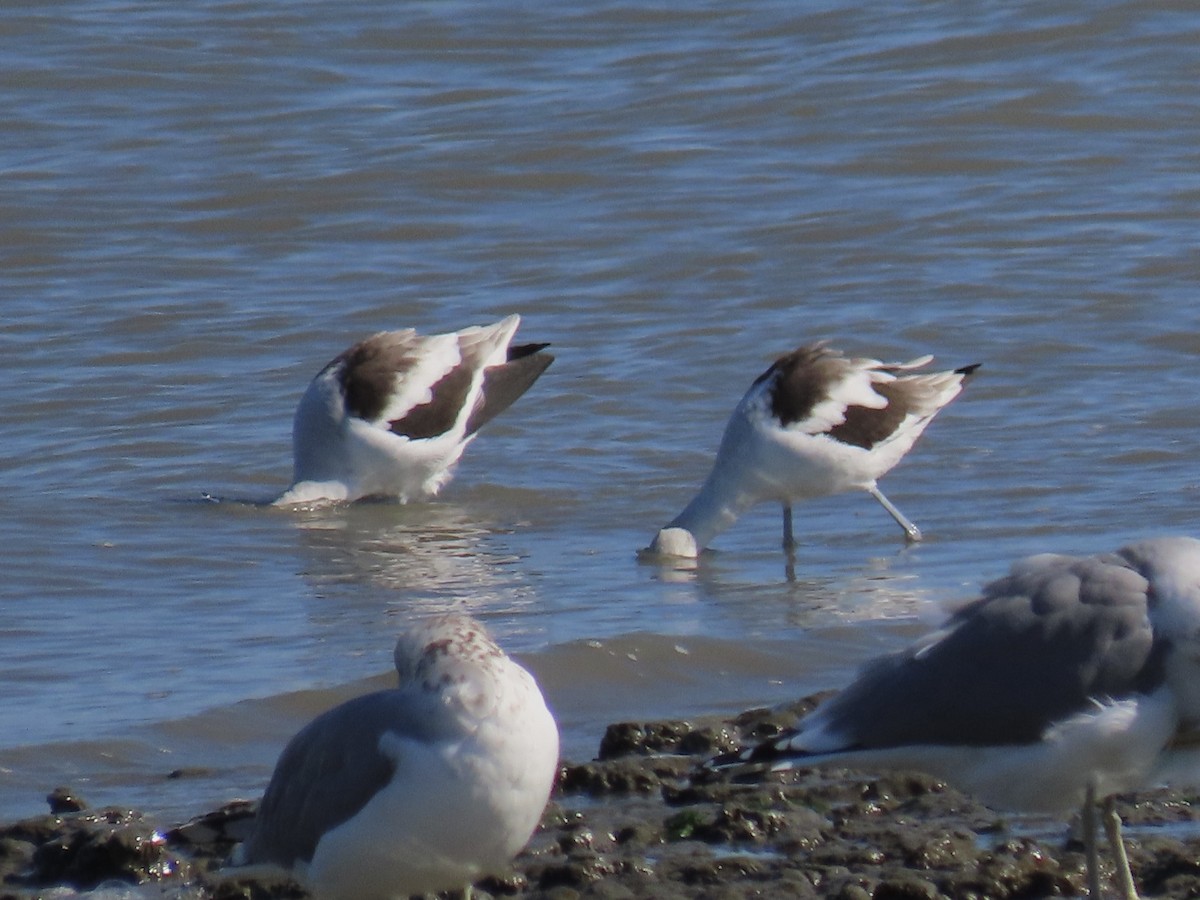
point(1070, 680)
point(815, 423)
point(391, 415)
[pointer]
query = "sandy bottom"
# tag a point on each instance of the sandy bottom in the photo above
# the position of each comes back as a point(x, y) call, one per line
point(639, 822)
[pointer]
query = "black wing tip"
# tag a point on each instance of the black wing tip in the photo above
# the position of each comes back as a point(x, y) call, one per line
point(967, 371)
point(733, 766)
point(520, 351)
point(749, 765)
point(728, 759)
point(764, 752)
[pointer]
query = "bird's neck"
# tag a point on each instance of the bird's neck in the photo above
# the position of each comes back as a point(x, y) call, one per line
point(718, 504)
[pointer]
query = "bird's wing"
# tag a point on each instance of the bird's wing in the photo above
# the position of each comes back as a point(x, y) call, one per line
point(462, 379)
point(1055, 635)
point(911, 401)
point(331, 769)
point(503, 384)
point(384, 376)
point(809, 389)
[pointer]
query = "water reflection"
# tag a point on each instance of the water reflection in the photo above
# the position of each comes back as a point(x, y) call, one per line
point(880, 587)
point(407, 560)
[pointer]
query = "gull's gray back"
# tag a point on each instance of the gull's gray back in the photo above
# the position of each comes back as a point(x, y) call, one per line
point(1035, 648)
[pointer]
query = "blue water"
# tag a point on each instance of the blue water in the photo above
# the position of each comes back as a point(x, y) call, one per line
point(204, 203)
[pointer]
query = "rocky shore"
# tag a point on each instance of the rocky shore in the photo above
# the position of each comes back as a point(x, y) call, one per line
point(637, 823)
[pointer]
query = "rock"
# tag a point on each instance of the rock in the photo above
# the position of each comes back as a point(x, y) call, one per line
point(65, 800)
point(638, 824)
point(629, 738)
point(114, 844)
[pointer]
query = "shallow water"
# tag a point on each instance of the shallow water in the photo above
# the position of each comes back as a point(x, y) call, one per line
point(203, 204)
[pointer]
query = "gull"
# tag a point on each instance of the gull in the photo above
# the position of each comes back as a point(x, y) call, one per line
point(391, 415)
point(815, 423)
point(1071, 679)
point(425, 787)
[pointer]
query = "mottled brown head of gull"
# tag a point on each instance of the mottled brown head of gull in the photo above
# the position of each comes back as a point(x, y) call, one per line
point(815, 423)
point(425, 787)
point(391, 416)
point(1071, 679)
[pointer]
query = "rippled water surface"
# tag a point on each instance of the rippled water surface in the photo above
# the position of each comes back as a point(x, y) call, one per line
point(204, 202)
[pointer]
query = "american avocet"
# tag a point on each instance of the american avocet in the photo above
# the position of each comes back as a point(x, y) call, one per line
point(423, 788)
point(391, 415)
point(1071, 679)
point(815, 423)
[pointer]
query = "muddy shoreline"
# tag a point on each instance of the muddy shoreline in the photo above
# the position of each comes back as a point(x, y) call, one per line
point(636, 823)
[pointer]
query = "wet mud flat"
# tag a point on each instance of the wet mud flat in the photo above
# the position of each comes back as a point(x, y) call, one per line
point(637, 823)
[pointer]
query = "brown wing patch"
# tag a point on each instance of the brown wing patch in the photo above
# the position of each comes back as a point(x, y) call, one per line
point(802, 380)
point(916, 395)
point(443, 409)
point(369, 370)
point(865, 427)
